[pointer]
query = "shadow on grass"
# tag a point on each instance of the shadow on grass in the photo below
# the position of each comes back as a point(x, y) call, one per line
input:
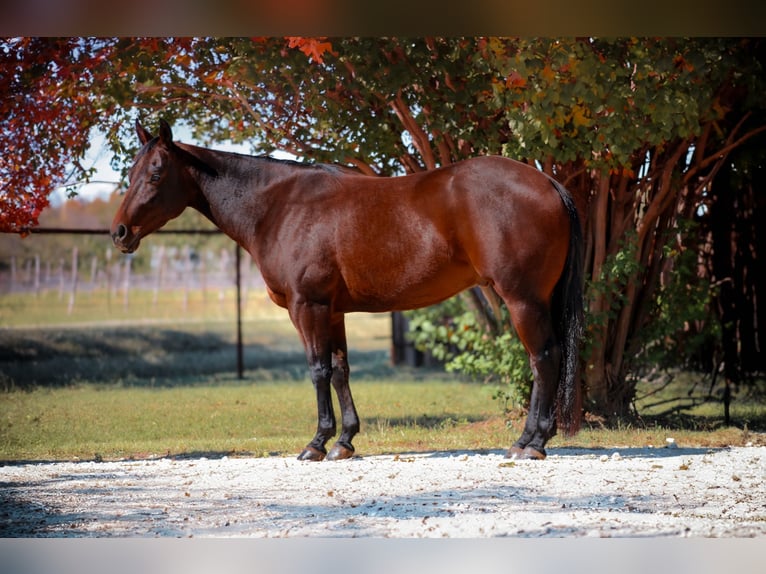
point(154, 357)
point(752, 419)
point(441, 421)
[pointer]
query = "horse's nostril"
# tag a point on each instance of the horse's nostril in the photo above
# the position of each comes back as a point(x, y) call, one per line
point(121, 232)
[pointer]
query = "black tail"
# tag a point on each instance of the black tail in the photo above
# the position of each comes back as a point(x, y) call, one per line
point(569, 322)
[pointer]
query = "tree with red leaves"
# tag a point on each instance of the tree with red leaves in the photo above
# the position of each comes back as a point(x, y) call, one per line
point(46, 109)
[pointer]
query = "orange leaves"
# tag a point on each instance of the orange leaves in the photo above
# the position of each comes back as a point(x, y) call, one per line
point(682, 64)
point(580, 116)
point(183, 59)
point(623, 171)
point(212, 77)
point(515, 81)
point(548, 74)
point(47, 119)
point(314, 48)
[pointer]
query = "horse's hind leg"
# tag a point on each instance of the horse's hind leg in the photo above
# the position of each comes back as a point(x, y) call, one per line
point(340, 371)
point(533, 324)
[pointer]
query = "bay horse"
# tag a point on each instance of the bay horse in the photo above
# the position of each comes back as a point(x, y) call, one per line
point(329, 241)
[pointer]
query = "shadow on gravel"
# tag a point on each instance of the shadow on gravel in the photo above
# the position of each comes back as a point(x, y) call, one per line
point(252, 514)
point(114, 502)
point(633, 452)
point(574, 452)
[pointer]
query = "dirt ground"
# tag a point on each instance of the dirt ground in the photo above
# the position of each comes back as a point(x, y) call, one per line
point(623, 492)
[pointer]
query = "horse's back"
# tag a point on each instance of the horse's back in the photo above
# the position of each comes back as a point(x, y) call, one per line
point(379, 244)
point(411, 241)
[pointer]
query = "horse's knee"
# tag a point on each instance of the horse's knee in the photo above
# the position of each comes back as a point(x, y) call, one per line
point(320, 373)
point(340, 368)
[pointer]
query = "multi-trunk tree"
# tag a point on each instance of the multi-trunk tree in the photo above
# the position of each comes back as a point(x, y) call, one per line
point(637, 129)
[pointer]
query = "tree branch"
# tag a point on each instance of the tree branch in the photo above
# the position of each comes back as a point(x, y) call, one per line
point(721, 154)
point(655, 207)
point(573, 175)
point(362, 166)
point(599, 223)
point(419, 137)
point(410, 163)
point(444, 150)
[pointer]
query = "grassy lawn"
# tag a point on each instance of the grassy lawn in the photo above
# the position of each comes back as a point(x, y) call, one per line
point(227, 416)
point(231, 418)
point(142, 306)
point(124, 386)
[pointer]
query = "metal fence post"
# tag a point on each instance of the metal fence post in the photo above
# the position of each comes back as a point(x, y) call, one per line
point(240, 360)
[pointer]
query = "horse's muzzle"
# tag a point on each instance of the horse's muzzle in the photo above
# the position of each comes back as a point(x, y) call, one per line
point(124, 240)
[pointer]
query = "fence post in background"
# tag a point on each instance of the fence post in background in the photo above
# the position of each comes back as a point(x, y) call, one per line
point(93, 271)
point(37, 275)
point(61, 278)
point(73, 284)
point(158, 276)
point(126, 282)
point(108, 277)
point(240, 359)
point(13, 273)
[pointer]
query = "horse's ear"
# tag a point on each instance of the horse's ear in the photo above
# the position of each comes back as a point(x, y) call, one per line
point(166, 134)
point(143, 135)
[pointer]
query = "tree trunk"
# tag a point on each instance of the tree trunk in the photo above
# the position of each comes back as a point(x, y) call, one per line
point(738, 238)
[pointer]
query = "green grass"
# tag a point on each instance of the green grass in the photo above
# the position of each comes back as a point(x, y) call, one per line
point(110, 383)
point(167, 345)
point(113, 384)
point(91, 421)
point(102, 306)
point(682, 408)
point(227, 416)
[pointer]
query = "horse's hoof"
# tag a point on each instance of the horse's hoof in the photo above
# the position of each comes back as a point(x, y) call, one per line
point(311, 453)
point(340, 452)
point(527, 453)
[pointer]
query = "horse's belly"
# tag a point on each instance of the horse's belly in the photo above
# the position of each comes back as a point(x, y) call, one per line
point(398, 290)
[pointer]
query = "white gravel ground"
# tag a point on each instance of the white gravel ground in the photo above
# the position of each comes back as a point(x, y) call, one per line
point(623, 492)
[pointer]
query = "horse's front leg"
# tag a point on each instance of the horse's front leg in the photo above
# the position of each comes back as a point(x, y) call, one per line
point(321, 373)
point(313, 324)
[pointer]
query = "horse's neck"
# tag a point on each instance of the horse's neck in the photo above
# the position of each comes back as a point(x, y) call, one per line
point(234, 200)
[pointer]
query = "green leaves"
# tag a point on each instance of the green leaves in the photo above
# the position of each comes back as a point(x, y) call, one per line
point(452, 334)
point(614, 119)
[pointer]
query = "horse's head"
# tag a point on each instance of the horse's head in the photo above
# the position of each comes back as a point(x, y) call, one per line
point(159, 190)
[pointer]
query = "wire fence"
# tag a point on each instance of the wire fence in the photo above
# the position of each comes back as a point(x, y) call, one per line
point(45, 280)
point(59, 277)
